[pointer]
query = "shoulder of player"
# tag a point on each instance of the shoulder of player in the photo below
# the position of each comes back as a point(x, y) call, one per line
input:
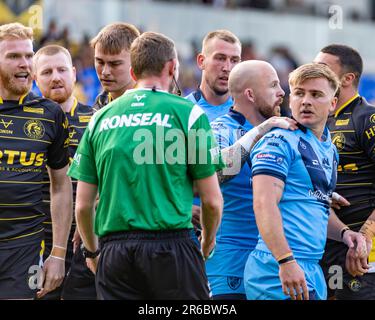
point(42, 106)
point(363, 116)
point(224, 122)
point(84, 109)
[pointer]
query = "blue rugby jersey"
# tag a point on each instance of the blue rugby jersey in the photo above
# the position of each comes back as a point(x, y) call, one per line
point(308, 168)
point(238, 228)
point(212, 112)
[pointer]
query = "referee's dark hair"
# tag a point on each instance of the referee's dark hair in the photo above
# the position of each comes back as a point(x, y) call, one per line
point(349, 58)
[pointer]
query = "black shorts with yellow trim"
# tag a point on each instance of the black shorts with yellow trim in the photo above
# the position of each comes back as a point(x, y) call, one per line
point(18, 267)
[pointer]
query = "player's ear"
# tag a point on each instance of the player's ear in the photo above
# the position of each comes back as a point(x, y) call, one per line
point(200, 61)
point(74, 74)
point(249, 94)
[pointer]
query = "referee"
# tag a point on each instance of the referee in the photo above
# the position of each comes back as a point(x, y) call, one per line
point(143, 218)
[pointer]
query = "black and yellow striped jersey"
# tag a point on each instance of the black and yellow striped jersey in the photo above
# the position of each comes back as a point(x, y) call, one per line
point(353, 132)
point(102, 100)
point(33, 134)
point(78, 119)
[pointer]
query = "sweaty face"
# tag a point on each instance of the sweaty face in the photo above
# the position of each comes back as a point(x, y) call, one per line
point(113, 70)
point(268, 94)
point(311, 101)
point(55, 76)
point(16, 68)
point(217, 62)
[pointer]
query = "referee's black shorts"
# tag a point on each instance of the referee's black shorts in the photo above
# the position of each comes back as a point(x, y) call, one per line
point(139, 265)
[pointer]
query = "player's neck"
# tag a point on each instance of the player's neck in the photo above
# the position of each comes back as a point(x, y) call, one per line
point(68, 104)
point(253, 117)
point(157, 83)
point(345, 95)
point(119, 93)
point(211, 97)
point(8, 95)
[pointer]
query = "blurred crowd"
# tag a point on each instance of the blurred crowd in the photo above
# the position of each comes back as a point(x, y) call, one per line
point(88, 85)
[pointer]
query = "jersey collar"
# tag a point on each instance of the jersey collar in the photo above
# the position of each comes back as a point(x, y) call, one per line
point(239, 117)
point(346, 104)
point(20, 101)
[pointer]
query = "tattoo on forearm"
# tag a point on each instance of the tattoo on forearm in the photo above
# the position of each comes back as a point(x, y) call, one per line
point(234, 157)
point(368, 228)
point(279, 186)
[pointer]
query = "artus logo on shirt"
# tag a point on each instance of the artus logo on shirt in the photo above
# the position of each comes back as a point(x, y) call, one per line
point(135, 120)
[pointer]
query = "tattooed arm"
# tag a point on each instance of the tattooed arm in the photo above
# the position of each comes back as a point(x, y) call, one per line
point(236, 155)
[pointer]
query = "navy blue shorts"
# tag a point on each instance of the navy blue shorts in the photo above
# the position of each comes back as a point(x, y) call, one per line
point(15, 272)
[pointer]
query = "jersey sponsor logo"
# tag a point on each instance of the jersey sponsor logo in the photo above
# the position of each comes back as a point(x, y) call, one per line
point(77, 158)
point(6, 125)
point(372, 118)
point(234, 282)
point(34, 129)
point(72, 133)
point(279, 137)
point(84, 119)
point(65, 123)
point(33, 110)
point(270, 158)
point(348, 167)
point(135, 120)
point(342, 122)
point(339, 141)
point(66, 142)
point(24, 158)
point(138, 98)
point(370, 133)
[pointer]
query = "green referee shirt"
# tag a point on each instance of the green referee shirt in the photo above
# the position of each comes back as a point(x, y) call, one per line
point(143, 151)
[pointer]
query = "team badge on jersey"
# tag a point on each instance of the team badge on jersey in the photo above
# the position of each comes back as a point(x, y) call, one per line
point(34, 129)
point(339, 141)
point(234, 282)
point(372, 118)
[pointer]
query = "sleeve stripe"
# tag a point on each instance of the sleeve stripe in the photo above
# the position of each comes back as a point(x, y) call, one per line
point(195, 113)
point(271, 173)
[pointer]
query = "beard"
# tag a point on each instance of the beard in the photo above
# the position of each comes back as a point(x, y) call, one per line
point(10, 84)
point(61, 95)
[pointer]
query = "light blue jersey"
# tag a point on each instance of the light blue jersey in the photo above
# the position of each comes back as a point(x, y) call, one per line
point(308, 168)
point(237, 234)
point(212, 112)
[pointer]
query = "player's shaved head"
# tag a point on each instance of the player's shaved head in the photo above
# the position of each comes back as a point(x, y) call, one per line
point(247, 74)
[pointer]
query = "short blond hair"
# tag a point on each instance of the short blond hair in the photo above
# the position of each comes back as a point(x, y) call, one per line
point(15, 31)
point(314, 71)
point(115, 37)
point(221, 34)
point(51, 50)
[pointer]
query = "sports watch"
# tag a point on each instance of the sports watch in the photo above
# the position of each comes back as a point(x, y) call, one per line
point(89, 254)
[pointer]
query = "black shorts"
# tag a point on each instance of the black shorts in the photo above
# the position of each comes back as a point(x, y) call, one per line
point(351, 288)
point(80, 281)
point(16, 276)
point(141, 265)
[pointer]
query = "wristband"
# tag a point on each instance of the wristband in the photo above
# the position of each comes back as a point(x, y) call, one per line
point(288, 259)
point(346, 228)
point(58, 251)
point(58, 258)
